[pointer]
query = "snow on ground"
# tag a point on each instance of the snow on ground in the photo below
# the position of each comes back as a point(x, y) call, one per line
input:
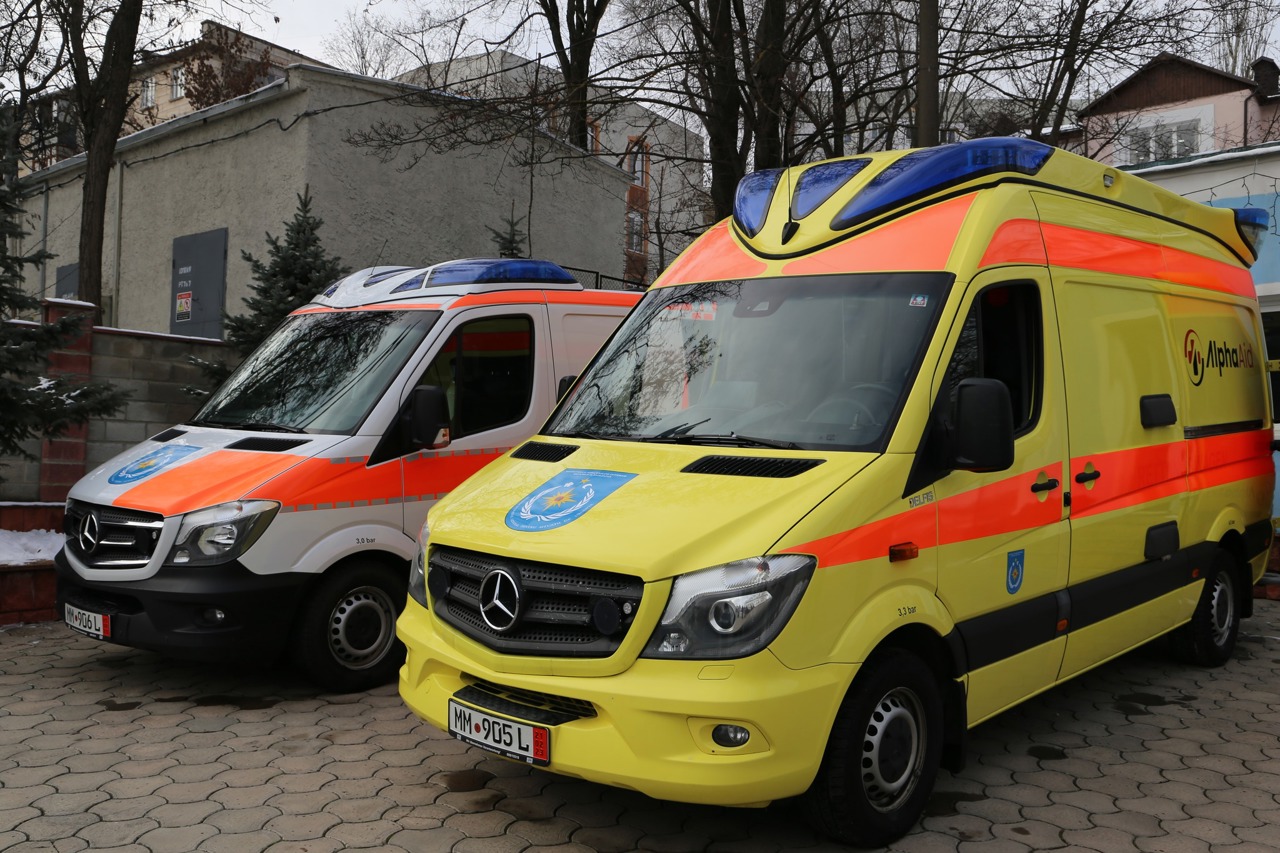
point(36, 546)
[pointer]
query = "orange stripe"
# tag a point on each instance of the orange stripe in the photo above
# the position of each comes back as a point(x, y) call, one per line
point(1222, 459)
point(715, 256)
point(1092, 250)
point(593, 297)
point(1005, 506)
point(502, 297)
point(919, 241)
point(322, 481)
point(870, 541)
point(1017, 241)
point(221, 476)
point(442, 473)
point(1129, 477)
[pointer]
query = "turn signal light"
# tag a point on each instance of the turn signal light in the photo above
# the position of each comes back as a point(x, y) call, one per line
point(903, 551)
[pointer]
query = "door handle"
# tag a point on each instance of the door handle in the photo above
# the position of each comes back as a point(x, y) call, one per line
point(1088, 476)
point(1047, 486)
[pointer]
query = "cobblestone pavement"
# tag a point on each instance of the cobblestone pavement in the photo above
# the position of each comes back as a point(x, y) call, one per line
point(106, 748)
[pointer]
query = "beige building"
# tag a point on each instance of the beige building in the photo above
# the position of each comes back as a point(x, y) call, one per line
point(188, 196)
point(222, 63)
point(1174, 107)
point(665, 202)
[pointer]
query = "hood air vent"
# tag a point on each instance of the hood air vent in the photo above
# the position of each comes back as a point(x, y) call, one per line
point(540, 451)
point(746, 466)
point(169, 434)
point(267, 445)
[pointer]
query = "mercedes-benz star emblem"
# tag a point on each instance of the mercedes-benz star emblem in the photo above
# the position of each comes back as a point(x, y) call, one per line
point(500, 595)
point(87, 534)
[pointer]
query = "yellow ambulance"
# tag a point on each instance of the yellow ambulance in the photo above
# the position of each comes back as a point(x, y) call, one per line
point(912, 437)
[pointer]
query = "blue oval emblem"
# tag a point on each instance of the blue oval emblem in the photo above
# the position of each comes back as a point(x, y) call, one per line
point(147, 465)
point(564, 498)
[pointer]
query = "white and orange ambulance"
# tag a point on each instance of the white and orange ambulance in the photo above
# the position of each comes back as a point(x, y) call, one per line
point(284, 515)
point(913, 436)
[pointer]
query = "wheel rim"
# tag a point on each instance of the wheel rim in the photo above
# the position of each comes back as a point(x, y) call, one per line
point(1222, 609)
point(893, 749)
point(362, 627)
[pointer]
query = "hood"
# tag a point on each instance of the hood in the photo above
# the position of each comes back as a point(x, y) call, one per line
point(188, 467)
point(635, 508)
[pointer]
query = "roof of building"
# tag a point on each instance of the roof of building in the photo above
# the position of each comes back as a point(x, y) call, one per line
point(1136, 87)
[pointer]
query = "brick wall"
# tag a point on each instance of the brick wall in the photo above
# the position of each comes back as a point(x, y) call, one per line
point(152, 367)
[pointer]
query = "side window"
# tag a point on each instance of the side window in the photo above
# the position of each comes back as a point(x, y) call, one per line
point(1002, 338)
point(486, 371)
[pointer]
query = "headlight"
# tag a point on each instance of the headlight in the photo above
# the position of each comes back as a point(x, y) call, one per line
point(733, 610)
point(221, 533)
point(418, 573)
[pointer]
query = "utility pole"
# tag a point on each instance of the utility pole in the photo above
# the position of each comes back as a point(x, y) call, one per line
point(927, 75)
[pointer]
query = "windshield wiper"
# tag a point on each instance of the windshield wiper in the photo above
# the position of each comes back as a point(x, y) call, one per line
point(255, 425)
point(679, 429)
point(591, 435)
point(731, 439)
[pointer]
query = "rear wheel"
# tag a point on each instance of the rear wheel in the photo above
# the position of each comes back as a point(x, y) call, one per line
point(883, 753)
point(346, 638)
point(1209, 639)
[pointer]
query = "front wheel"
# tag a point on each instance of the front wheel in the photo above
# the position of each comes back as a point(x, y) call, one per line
point(1209, 639)
point(346, 638)
point(883, 753)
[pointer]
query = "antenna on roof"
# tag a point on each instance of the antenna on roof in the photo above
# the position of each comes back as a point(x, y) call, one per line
point(790, 227)
point(380, 251)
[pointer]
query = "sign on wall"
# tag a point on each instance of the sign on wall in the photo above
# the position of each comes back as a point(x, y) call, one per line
point(66, 281)
point(199, 288)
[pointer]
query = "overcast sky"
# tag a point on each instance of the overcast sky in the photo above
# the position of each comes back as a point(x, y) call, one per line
point(304, 24)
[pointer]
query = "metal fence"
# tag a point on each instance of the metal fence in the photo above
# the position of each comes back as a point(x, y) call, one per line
point(594, 280)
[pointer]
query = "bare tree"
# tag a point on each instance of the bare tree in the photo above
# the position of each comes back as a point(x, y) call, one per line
point(224, 66)
point(367, 43)
point(32, 59)
point(1239, 30)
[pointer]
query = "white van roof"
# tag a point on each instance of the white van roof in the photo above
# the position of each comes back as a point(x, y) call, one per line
point(384, 284)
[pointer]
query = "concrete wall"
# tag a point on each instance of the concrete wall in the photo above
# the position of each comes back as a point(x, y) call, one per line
point(241, 166)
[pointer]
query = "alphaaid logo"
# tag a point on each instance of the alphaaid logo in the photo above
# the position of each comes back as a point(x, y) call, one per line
point(1215, 356)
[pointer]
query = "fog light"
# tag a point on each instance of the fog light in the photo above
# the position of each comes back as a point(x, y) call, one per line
point(730, 736)
point(214, 616)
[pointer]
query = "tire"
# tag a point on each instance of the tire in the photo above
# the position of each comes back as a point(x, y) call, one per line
point(346, 637)
point(1209, 639)
point(883, 753)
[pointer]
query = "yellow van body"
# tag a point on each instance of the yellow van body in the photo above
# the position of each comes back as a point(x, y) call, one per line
point(896, 592)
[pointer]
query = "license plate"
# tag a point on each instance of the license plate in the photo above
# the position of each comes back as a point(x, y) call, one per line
point(523, 742)
point(94, 624)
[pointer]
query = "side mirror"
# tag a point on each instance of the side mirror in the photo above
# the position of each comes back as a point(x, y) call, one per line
point(429, 417)
point(562, 388)
point(982, 434)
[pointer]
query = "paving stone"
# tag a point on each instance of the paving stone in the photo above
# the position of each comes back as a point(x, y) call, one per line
point(176, 839)
point(61, 804)
point(183, 814)
point(373, 833)
point(242, 820)
point(240, 842)
point(299, 827)
point(114, 833)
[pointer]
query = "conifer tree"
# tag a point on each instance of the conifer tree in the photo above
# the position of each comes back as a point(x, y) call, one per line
point(35, 405)
point(510, 241)
point(295, 271)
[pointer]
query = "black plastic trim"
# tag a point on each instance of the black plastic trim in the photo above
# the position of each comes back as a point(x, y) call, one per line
point(267, 444)
point(1210, 430)
point(1157, 410)
point(541, 451)
point(1257, 538)
point(168, 435)
point(1162, 541)
point(751, 466)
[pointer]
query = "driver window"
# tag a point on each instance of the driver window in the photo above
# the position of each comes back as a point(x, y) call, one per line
point(1001, 339)
point(486, 371)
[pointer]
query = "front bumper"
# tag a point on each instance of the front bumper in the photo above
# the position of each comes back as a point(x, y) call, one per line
point(653, 723)
point(165, 613)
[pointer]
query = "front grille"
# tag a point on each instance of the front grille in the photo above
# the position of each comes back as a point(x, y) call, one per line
point(123, 538)
point(565, 611)
point(545, 708)
point(266, 444)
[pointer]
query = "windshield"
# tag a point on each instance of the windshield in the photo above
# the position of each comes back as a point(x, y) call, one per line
point(319, 372)
point(815, 362)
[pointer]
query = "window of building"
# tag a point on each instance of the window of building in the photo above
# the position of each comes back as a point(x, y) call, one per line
point(1164, 141)
point(637, 161)
point(177, 84)
point(635, 232)
point(593, 135)
point(148, 98)
point(486, 371)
